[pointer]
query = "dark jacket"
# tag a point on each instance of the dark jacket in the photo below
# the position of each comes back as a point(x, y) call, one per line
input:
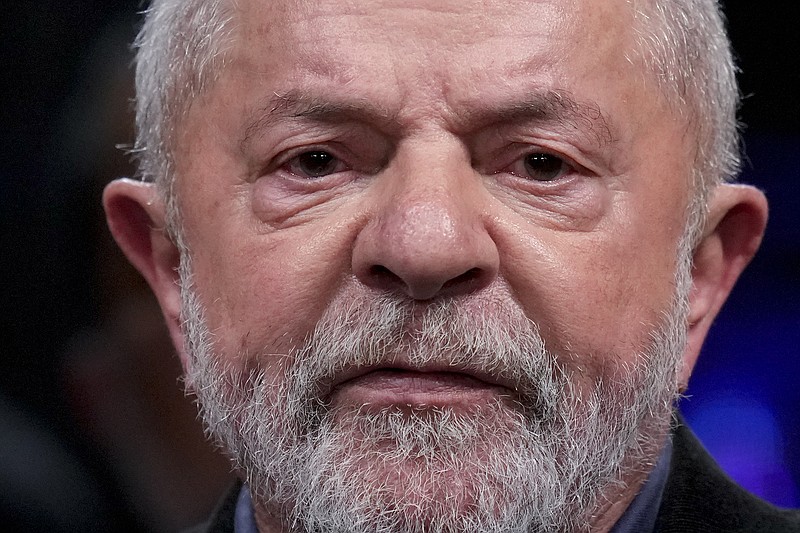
point(701, 498)
point(698, 498)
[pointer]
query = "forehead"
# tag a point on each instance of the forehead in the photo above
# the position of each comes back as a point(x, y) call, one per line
point(450, 50)
point(448, 21)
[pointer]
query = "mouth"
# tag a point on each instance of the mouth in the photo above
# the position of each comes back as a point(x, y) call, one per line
point(398, 386)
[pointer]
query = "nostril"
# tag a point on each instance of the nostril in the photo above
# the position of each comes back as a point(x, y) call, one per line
point(381, 273)
point(466, 279)
point(383, 278)
point(422, 287)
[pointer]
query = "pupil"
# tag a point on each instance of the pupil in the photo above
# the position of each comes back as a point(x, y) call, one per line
point(543, 167)
point(316, 163)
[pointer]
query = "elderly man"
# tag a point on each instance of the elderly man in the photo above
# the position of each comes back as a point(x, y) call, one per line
point(445, 266)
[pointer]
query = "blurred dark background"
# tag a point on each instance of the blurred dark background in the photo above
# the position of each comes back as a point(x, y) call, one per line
point(95, 434)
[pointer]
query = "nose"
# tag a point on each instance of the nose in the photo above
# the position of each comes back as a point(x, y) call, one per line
point(427, 240)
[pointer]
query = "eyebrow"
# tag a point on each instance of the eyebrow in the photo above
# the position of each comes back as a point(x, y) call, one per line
point(547, 107)
point(550, 107)
point(296, 104)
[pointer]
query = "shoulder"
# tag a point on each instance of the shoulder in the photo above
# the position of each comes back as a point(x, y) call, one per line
point(700, 497)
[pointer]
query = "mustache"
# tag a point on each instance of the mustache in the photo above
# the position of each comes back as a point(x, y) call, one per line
point(494, 341)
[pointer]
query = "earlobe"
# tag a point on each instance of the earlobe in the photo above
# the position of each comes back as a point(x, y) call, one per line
point(136, 217)
point(737, 216)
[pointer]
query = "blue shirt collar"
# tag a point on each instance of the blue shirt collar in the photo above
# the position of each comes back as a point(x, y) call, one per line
point(244, 518)
point(641, 514)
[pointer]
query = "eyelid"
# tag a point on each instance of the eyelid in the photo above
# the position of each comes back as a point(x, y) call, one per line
point(499, 146)
point(293, 164)
point(283, 158)
point(566, 167)
point(366, 156)
point(501, 159)
point(577, 160)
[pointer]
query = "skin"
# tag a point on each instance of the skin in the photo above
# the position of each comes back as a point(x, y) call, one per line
point(430, 109)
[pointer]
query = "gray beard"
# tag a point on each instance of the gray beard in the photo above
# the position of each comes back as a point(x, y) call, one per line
point(540, 460)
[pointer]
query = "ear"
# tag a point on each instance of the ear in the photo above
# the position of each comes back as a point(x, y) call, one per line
point(737, 216)
point(136, 216)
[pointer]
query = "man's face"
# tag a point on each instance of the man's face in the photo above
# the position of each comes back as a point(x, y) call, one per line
point(477, 175)
point(516, 151)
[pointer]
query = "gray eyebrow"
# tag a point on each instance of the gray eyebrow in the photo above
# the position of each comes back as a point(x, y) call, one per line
point(295, 104)
point(551, 106)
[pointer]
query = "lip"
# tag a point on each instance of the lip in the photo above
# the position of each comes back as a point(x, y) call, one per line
point(432, 385)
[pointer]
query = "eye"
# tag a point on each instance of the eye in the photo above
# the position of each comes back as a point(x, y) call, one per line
point(315, 164)
point(539, 166)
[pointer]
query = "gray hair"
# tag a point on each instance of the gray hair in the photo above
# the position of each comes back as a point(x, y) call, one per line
point(181, 50)
point(183, 43)
point(685, 45)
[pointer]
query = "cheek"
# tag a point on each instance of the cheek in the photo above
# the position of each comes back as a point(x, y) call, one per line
point(596, 297)
point(264, 293)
